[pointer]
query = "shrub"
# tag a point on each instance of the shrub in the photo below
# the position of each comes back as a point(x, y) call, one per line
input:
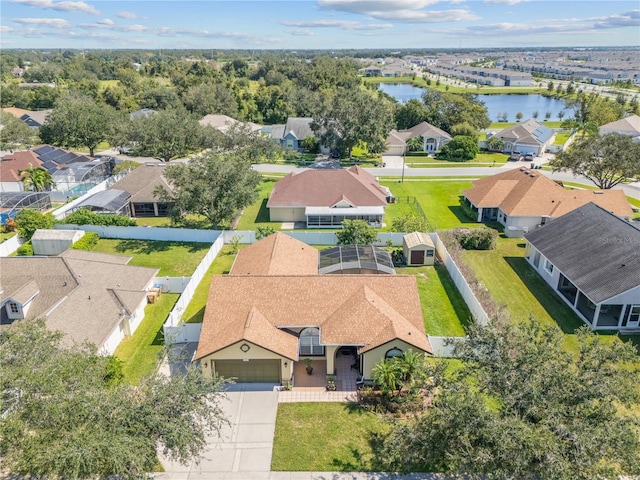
point(476, 238)
point(468, 212)
point(28, 221)
point(87, 242)
point(411, 222)
point(460, 149)
point(87, 217)
point(9, 225)
point(25, 250)
point(263, 231)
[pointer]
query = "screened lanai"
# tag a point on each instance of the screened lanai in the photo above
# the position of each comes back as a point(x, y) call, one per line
point(79, 177)
point(12, 202)
point(350, 259)
point(108, 201)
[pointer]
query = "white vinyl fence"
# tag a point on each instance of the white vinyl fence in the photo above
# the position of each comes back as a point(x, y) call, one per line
point(9, 246)
point(461, 283)
point(172, 284)
point(443, 346)
point(173, 324)
point(148, 233)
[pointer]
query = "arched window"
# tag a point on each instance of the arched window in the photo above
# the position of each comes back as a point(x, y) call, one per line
point(310, 342)
point(393, 353)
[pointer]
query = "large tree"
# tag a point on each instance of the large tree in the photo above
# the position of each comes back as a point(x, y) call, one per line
point(356, 232)
point(349, 117)
point(68, 414)
point(524, 407)
point(15, 133)
point(605, 160)
point(444, 110)
point(410, 114)
point(216, 186)
point(77, 121)
point(166, 134)
point(209, 98)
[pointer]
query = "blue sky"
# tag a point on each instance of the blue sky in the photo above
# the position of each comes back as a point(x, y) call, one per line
point(325, 24)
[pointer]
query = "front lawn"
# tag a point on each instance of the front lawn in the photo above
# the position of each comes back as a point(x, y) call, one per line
point(443, 308)
point(174, 259)
point(438, 199)
point(417, 160)
point(257, 213)
point(140, 352)
point(326, 437)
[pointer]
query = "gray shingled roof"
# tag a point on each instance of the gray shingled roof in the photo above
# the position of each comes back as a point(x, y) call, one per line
point(596, 250)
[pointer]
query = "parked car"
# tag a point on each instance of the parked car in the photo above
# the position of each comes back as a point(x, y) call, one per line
point(529, 157)
point(516, 157)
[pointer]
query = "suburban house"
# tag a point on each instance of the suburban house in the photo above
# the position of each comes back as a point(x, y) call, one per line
point(591, 259)
point(525, 137)
point(522, 199)
point(33, 118)
point(291, 134)
point(629, 126)
point(325, 198)
point(87, 296)
point(11, 166)
point(433, 139)
point(140, 185)
point(259, 327)
point(224, 123)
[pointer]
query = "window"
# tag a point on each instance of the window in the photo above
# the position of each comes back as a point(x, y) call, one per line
point(310, 342)
point(13, 307)
point(634, 314)
point(548, 266)
point(429, 253)
point(144, 209)
point(393, 353)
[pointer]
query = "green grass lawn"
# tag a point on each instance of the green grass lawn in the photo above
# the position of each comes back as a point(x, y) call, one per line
point(514, 284)
point(257, 213)
point(174, 259)
point(443, 308)
point(6, 236)
point(439, 200)
point(326, 437)
point(194, 313)
point(140, 352)
point(482, 159)
point(561, 138)
point(101, 146)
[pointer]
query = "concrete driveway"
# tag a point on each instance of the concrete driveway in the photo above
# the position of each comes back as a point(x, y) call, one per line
point(246, 445)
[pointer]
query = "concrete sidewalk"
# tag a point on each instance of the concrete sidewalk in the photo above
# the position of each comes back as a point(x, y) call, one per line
point(301, 476)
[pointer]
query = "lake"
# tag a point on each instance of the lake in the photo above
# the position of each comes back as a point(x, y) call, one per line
point(510, 104)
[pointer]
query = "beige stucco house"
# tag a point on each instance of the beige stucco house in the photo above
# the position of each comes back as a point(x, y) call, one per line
point(433, 139)
point(257, 327)
point(325, 198)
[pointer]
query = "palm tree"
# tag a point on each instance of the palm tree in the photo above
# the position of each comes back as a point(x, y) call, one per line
point(411, 365)
point(36, 179)
point(387, 374)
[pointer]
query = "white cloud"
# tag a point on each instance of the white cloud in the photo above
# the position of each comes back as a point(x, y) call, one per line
point(105, 21)
point(48, 22)
point(626, 19)
point(107, 24)
point(127, 15)
point(4, 28)
point(342, 24)
point(365, 7)
point(505, 2)
point(60, 6)
point(303, 32)
point(430, 16)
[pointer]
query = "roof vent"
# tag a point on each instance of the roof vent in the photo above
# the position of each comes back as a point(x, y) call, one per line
point(598, 192)
point(532, 175)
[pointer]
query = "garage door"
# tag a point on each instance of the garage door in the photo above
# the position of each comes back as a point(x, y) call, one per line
point(251, 371)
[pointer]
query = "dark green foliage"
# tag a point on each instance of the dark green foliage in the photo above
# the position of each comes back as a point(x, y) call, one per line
point(15, 133)
point(28, 221)
point(476, 238)
point(460, 149)
point(87, 217)
point(469, 212)
point(263, 231)
point(522, 407)
point(410, 114)
point(444, 110)
point(212, 185)
point(88, 241)
point(25, 250)
point(605, 160)
point(67, 413)
point(356, 232)
point(311, 144)
point(495, 144)
point(411, 222)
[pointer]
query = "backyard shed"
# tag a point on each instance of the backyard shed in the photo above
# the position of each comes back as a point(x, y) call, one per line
point(54, 242)
point(418, 249)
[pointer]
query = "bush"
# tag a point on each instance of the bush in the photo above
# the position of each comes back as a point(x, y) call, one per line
point(263, 231)
point(87, 217)
point(476, 238)
point(25, 250)
point(411, 222)
point(28, 221)
point(460, 149)
point(468, 212)
point(87, 242)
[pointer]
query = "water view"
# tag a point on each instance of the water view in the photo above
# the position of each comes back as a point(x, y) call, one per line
point(496, 104)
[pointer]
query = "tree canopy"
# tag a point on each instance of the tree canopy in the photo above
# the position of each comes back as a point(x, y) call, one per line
point(67, 414)
point(523, 407)
point(29, 220)
point(77, 121)
point(460, 149)
point(215, 186)
point(36, 179)
point(356, 232)
point(444, 110)
point(15, 133)
point(605, 160)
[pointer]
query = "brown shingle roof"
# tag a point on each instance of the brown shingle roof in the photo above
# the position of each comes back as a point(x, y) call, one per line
point(142, 182)
point(12, 164)
point(364, 310)
point(278, 254)
point(524, 192)
point(321, 188)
